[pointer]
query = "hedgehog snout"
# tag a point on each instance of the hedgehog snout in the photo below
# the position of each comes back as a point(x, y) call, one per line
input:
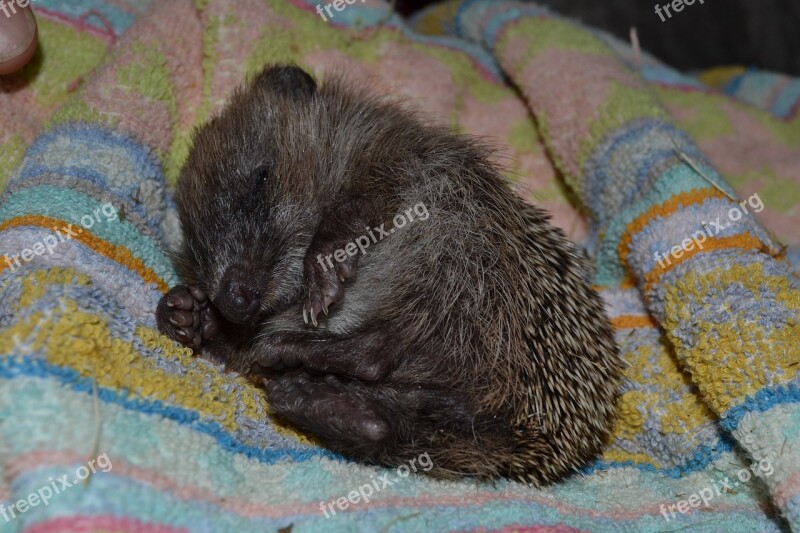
point(238, 300)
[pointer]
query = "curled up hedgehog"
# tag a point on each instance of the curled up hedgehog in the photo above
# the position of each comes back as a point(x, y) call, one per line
point(392, 293)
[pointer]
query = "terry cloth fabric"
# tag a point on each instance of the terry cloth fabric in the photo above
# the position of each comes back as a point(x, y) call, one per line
point(707, 437)
point(74, 38)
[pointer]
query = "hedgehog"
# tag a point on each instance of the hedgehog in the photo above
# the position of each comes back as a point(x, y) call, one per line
point(380, 278)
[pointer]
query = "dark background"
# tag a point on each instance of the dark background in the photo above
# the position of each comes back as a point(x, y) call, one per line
point(755, 33)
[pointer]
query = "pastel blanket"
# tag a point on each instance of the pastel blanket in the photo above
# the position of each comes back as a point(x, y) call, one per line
point(683, 189)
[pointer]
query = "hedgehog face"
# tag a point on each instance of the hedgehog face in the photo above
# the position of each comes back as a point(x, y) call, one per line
point(246, 254)
point(245, 231)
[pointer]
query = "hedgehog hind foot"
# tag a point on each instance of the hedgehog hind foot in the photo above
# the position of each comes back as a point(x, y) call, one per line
point(390, 424)
point(327, 408)
point(385, 424)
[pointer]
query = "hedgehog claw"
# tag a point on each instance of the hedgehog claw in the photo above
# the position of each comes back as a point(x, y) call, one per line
point(325, 283)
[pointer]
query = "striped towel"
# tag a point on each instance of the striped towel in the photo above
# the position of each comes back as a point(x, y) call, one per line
point(105, 425)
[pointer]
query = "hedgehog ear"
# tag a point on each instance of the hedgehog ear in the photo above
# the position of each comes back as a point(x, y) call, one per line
point(289, 80)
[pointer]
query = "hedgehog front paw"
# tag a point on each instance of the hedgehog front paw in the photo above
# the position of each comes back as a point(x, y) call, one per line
point(324, 278)
point(185, 315)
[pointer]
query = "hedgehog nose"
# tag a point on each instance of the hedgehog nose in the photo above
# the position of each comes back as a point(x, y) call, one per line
point(239, 302)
